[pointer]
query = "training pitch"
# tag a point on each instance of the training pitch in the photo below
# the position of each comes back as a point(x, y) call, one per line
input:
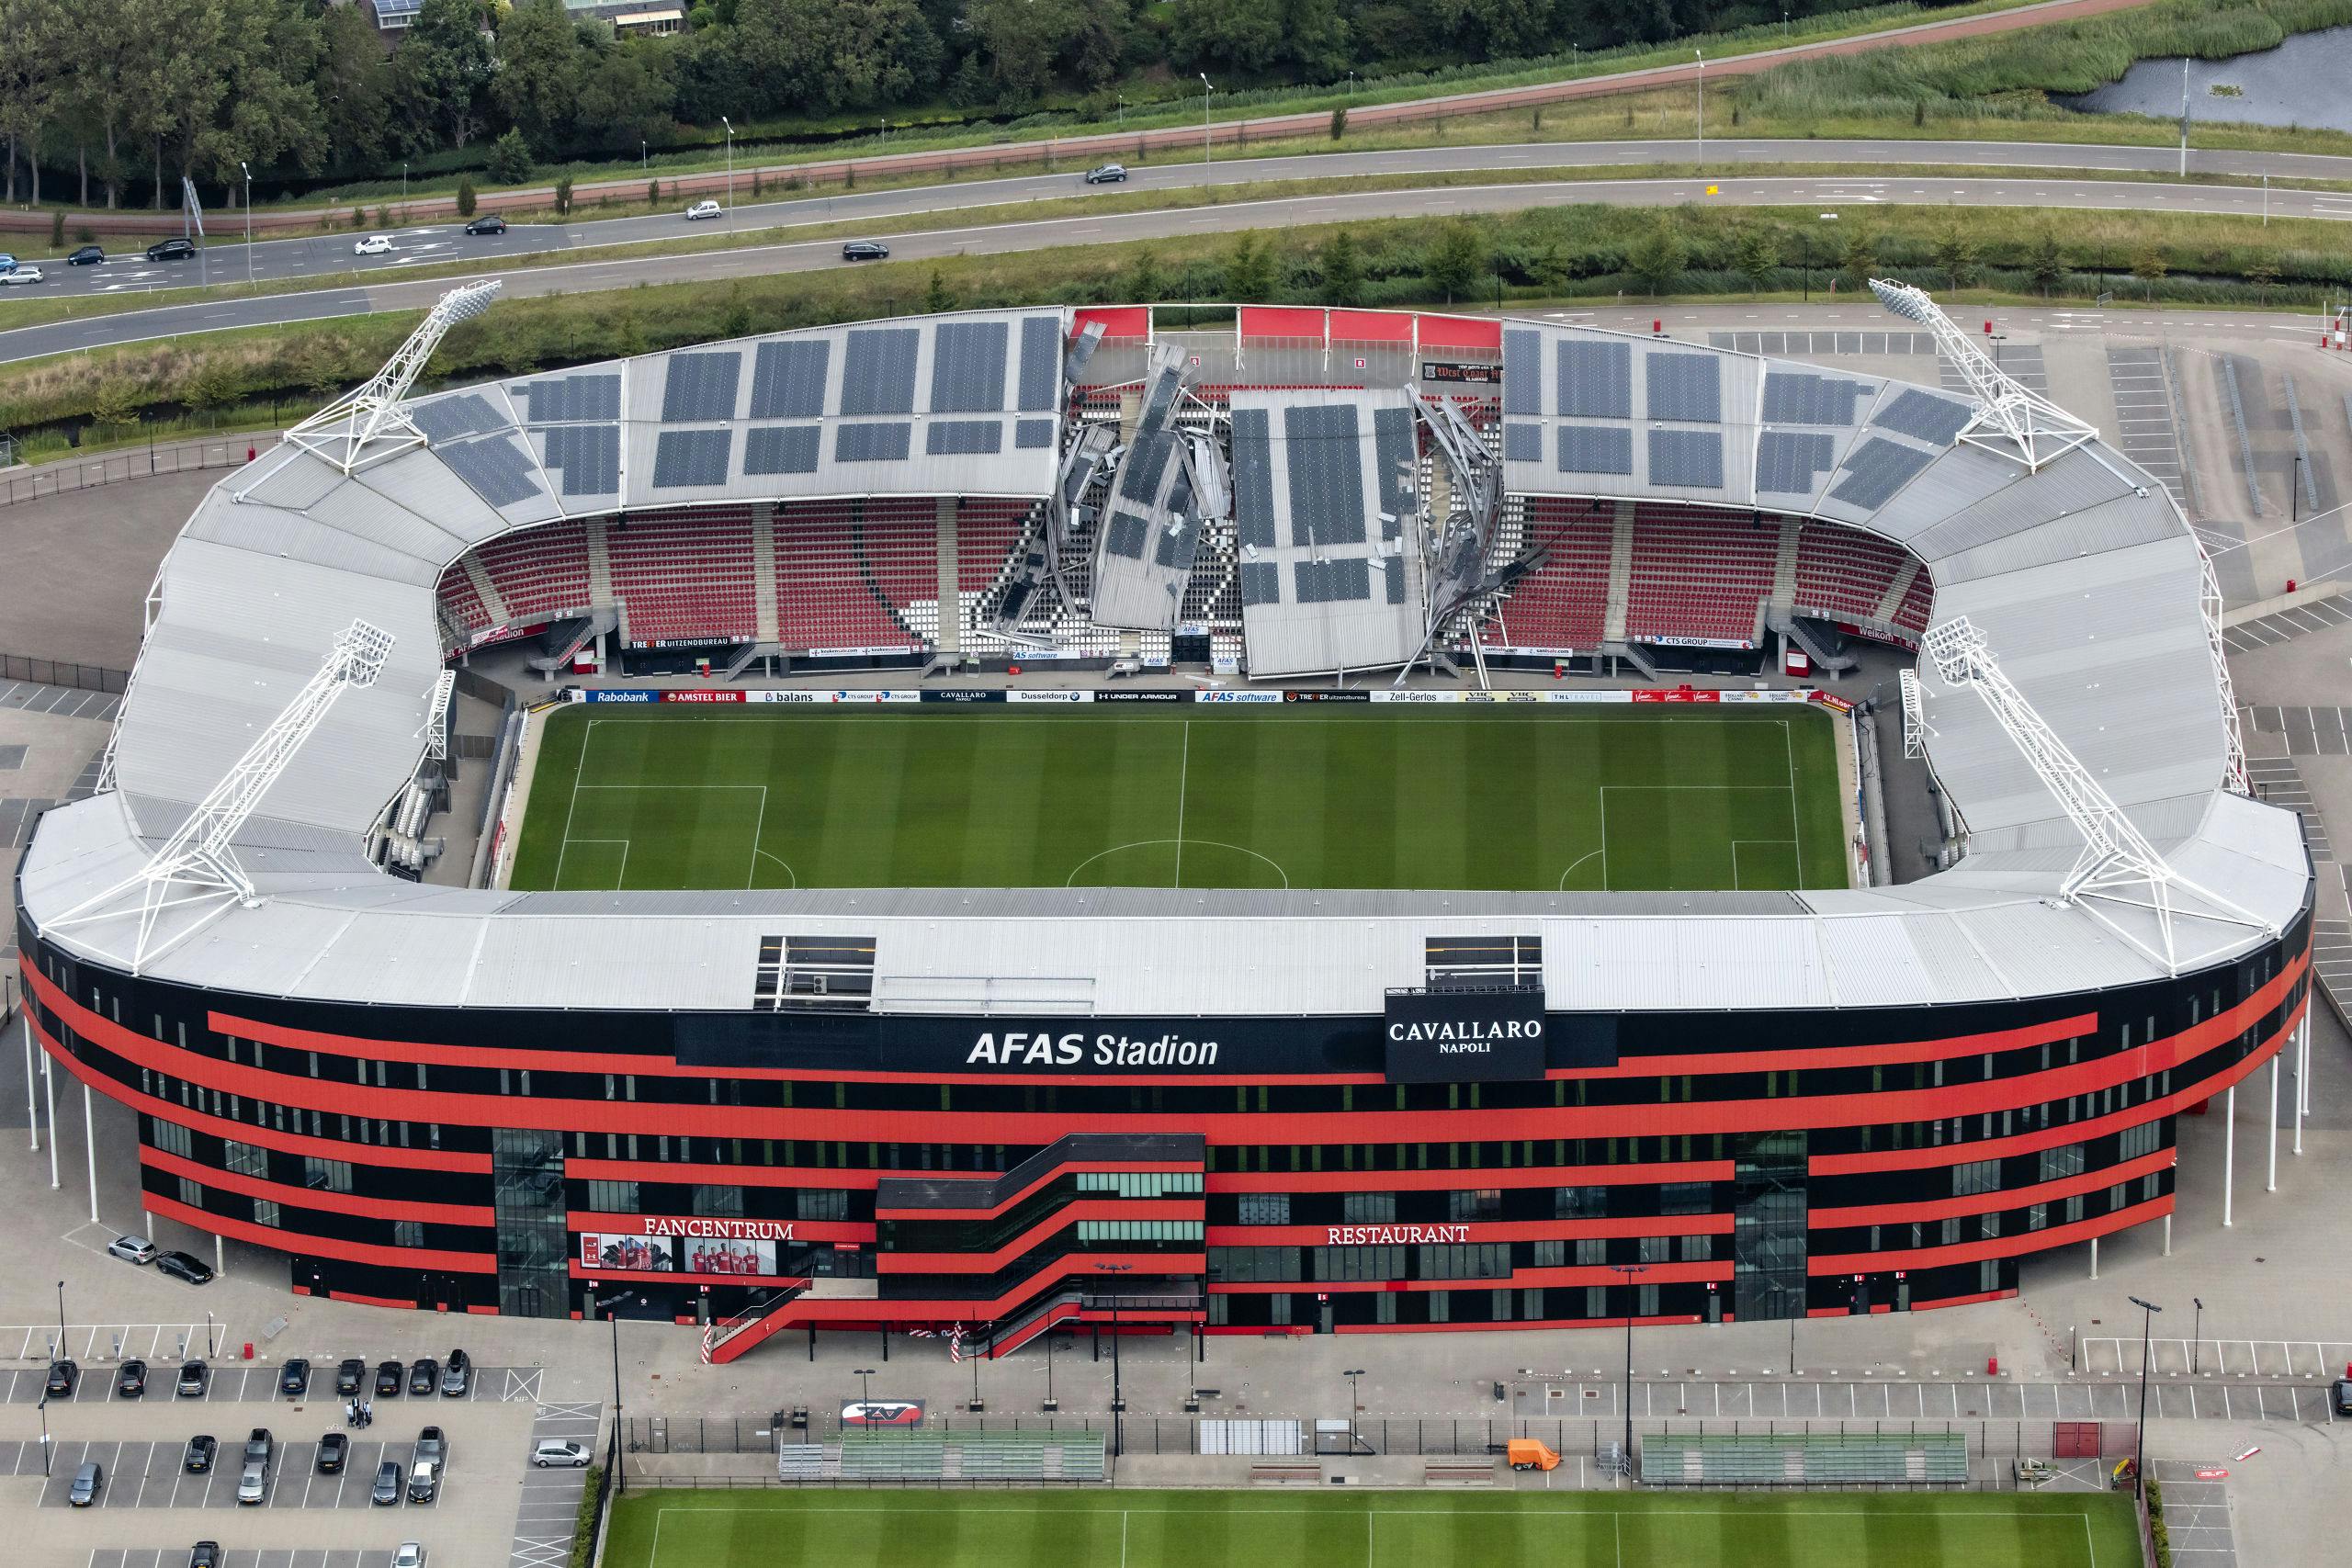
point(1520, 798)
point(1109, 1529)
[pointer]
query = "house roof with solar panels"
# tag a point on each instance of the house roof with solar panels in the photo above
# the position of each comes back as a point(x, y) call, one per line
point(2078, 570)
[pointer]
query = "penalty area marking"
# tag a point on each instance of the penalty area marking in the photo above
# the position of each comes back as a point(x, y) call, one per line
point(759, 854)
point(1071, 880)
point(619, 882)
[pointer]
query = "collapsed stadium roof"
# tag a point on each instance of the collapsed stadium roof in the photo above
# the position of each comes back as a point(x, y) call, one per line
point(2081, 574)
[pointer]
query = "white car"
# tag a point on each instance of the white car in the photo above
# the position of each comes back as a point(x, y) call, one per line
point(704, 209)
point(132, 1249)
point(373, 245)
point(21, 274)
point(559, 1451)
point(409, 1554)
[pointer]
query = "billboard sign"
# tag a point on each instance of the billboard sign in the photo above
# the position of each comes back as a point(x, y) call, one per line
point(1464, 1036)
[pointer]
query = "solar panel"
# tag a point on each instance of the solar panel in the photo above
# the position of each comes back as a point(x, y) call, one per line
point(682, 458)
point(1791, 462)
point(588, 456)
point(496, 467)
point(1522, 372)
point(1178, 543)
point(1126, 537)
point(872, 443)
point(402, 11)
point(560, 400)
point(967, 366)
point(1596, 380)
point(878, 370)
point(1331, 581)
point(1523, 443)
point(1253, 479)
point(1797, 397)
point(1159, 399)
point(1925, 415)
point(465, 413)
point(788, 379)
point(1261, 583)
point(1685, 386)
point(963, 437)
point(700, 386)
point(1875, 470)
point(1596, 449)
point(1147, 461)
point(781, 448)
point(1398, 479)
point(1033, 432)
point(1689, 457)
point(1393, 569)
point(1041, 361)
point(1325, 474)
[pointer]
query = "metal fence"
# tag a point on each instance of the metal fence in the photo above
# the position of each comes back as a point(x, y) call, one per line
point(135, 463)
point(56, 672)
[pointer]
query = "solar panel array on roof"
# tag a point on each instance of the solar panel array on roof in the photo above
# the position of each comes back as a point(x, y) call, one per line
point(682, 458)
point(1146, 462)
point(1261, 583)
point(782, 449)
point(878, 370)
point(963, 437)
point(1392, 569)
point(1041, 361)
point(1332, 581)
point(495, 467)
point(872, 443)
point(1032, 433)
point(696, 388)
point(563, 399)
point(1925, 415)
point(1596, 449)
point(1522, 372)
point(467, 413)
point(1596, 380)
point(967, 366)
point(1685, 386)
point(1325, 474)
point(1178, 543)
point(1791, 462)
point(788, 379)
point(1159, 399)
point(1523, 443)
point(1126, 537)
point(1392, 446)
point(588, 456)
point(1800, 397)
point(1253, 479)
point(1689, 457)
point(400, 10)
point(1876, 469)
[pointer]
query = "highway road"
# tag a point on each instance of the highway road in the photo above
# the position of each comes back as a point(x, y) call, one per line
point(382, 288)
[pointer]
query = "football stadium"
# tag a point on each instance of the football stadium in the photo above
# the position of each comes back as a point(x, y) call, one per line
point(1329, 821)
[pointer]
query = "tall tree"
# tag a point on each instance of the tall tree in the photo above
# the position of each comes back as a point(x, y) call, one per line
point(835, 54)
point(626, 87)
point(539, 67)
point(442, 70)
point(120, 55)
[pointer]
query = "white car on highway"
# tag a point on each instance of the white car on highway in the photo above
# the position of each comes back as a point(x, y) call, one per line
point(373, 245)
point(21, 274)
point(704, 209)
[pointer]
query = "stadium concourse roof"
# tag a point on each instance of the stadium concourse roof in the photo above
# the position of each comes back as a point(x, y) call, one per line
point(2083, 577)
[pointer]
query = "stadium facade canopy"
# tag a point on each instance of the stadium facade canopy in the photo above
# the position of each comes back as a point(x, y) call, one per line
point(2086, 701)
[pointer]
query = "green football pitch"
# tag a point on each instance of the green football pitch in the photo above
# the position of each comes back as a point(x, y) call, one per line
point(1127, 1529)
point(1523, 798)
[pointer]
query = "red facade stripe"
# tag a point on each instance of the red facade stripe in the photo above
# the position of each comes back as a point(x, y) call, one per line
point(1989, 1202)
point(2048, 1240)
point(842, 1310)
point(1116, 1168)
point(1448, 1180)
point(1060, 1220)
point(1715, 1272)
point(802, 1230)
point(404, 1257)
point(1479, 1230)
point(319, 1198)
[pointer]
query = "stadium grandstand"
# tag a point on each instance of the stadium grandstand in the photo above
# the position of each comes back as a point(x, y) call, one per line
point(1346, 1107)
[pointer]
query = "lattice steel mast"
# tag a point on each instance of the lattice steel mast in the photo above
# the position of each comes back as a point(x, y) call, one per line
point(2009, 418)
point(367, 424)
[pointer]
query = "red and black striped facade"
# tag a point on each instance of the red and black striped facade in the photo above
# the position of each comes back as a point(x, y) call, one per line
point(1739, 1164)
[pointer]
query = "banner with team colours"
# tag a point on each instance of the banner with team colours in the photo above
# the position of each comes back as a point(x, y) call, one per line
point(1123, 693)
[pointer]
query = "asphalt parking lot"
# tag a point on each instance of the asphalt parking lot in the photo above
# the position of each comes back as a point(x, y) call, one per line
point(150, 1474)
point(256, 1382)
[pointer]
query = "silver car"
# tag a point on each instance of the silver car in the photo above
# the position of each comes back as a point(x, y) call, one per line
point(252, 1486)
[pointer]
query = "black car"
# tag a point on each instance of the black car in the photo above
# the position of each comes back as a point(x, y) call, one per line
point(171, 250)
point(424, 1376)
point(1107, 174)
point(130, 1379)
point(295, 1381)
point(458, 1378)
point(488, 223)
point(388, 1380)
point(63, 1376)
point(204, 1554)
point(347, 1374)
point(179, 1265)
point(2343, 1396)
point(386, 1492)
point(865, 250)
point(195, 1377)
point(198, 1457)
point(89, 255)
point(333, 1449)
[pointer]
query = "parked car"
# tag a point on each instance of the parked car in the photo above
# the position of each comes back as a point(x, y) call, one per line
point(130, 1379)
point(458, 1376)
point(705, 210)
point(204, 1554)
point(865, 250)
point(348, 1372)
point(253, 1486)
point(1107, 174)
point(261, 1447)
point(2343, 1396)
point(388, 1380)
point(409, 1554)
point(424, 1481)
point(198, 1457)
point(87, 1484)
point(194, 1379)
point(131, 1249)
point(432, 1444)
point(89, 255)
point(559, 1453)
point(294, 1381)
point(22, 275)
point(488, 223)
point(424, 1375)
point(333, 1449)
point(63, 1376)
point(373, 245)
point(387, 1491)
point(171, 250)
point(181, 1267)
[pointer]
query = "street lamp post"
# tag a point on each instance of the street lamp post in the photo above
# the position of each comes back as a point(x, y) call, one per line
point(249, 222)
point(865, 1389)
point(1703, 104)
point(1629, 1271)
point(1206, 90)
point(2184, 115)
point(61, 1319)
point(1351, 84)
point(2148, 1311)
point(44, 1433)
point(730, 171)
point(1118, 1398)
point(2197, 1336)
point(403, 182)
point(613, 1466)
point(1351, 1374)
point(1123, 111)
point(1052, 1403)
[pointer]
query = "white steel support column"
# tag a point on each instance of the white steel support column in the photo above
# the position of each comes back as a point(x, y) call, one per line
point(2094, 1258)
point(2167, 1236)
point(219, 1255)
point(2270, 1130)
point(48, 1092)
point(32, 1116)
point(90, 1145)
point(2302, 1075)
point(2229, 1153)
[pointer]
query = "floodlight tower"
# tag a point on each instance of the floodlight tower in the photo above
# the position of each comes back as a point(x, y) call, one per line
point(2116, 857)
point(1915, 727)
point(2009, 418)
point(197, 867)
point(367, 424)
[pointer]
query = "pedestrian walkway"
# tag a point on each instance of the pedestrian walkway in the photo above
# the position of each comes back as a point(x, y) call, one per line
point(2285, 626)
point(65, 702)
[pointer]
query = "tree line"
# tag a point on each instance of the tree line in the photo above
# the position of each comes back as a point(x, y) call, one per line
point(100, 99)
